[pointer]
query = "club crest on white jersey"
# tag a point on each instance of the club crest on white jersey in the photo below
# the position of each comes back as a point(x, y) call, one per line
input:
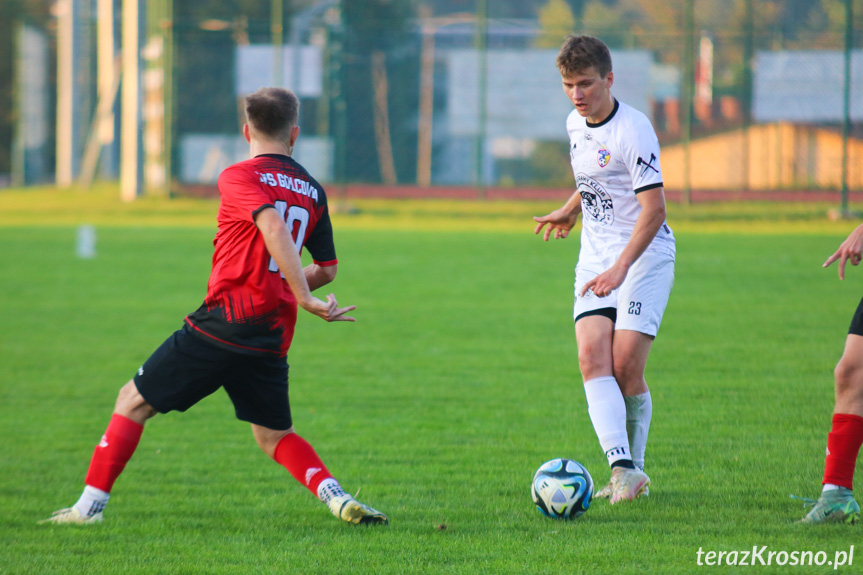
point(596, 203)
point(603, 157)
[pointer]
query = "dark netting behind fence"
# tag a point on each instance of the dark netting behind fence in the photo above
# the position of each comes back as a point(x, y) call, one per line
point(745, 95)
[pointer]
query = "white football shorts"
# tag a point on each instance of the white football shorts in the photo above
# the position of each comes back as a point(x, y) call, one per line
point(639, 302)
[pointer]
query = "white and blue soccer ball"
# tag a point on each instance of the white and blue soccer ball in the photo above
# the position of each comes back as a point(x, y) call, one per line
point(562, 489)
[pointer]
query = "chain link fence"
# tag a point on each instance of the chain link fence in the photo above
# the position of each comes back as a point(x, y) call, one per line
point(746, 97)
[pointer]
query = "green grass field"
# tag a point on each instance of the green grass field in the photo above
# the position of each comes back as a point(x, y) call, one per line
point(458, 380)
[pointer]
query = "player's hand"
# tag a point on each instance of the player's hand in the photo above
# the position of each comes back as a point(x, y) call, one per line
point(559, 221)
point(606, 282)
point(850, 250)
point(329, 310)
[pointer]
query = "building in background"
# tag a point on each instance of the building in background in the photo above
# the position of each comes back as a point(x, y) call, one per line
point(439, 92)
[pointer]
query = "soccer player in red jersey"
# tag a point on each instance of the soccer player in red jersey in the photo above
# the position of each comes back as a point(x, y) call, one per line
point(836, 503)
point(239, 338)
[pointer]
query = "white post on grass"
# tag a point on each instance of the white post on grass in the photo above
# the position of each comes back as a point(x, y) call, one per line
point(85, 242)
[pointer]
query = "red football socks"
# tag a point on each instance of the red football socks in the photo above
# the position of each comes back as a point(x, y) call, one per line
point(296, 455)
point(843, 445)
point(113, 452)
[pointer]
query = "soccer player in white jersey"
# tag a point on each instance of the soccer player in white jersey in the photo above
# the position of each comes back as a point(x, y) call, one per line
point(625, 268)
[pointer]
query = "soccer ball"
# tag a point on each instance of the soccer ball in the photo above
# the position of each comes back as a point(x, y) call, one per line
point(562, 489)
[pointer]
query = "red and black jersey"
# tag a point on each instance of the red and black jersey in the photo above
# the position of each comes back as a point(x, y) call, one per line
point(249, 306)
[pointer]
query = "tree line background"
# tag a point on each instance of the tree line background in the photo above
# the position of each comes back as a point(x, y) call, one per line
point(203, 61)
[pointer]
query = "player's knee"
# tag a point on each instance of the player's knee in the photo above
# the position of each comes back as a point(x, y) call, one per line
point(131, 404)
point(268, 439)
point(626, 372)
point(849, 377)
point(592, 360)
point(591, 368)
point(127, 394)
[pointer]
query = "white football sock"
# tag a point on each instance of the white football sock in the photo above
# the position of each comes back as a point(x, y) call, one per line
point(829, 487)
point(92, 501)
point(328, 489)
point(639, 409)
point(608, 413)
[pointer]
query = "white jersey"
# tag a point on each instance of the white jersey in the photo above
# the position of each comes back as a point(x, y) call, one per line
point(612, 162)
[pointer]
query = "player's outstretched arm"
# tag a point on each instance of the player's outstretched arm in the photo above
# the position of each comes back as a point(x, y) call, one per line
point(560, 221)
point(850, 250)
point(281, 246)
